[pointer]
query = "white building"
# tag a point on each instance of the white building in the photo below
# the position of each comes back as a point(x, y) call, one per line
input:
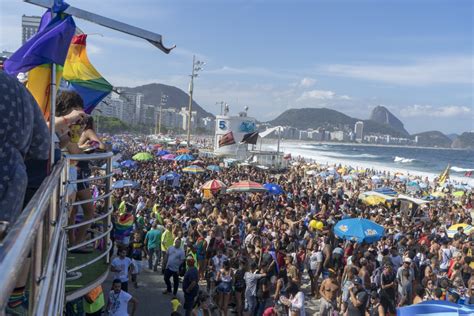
point(359, 131)
point(184, 118)
point(111, 106)
point(29, 27)
point(339, 136)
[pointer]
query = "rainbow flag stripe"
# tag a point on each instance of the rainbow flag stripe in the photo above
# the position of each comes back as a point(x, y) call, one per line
point(82, 77)
point(124, 225)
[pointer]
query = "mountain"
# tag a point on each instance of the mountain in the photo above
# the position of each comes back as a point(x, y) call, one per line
point(177, 98)
point(382, 115)
point(433, 139)
point(453, 136)
point(464, 141)
point(329, 119)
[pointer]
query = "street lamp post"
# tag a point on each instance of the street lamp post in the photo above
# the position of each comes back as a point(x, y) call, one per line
point(164, 99)
point(197, 66)
point(222, 105)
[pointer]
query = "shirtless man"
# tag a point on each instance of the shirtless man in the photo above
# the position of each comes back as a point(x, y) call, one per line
point(329, 291)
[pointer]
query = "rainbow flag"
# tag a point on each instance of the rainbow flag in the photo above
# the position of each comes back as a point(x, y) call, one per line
point(82, 77)
point(50, 45)
point(444, 176)
point(124, 226)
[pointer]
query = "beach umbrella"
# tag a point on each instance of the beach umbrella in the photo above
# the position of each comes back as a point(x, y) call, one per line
point(168, 157)
point(115, 165)
point(436, 308)
point(214, 186)
point(143, 156)
point(246, 186)
point(170, 176)
point(453, 229)
point(194, 169)
point(125, 184)
point(197, 162)
point(214, 168)
point(182, 151)
point(162, 152)
point(438, 194)
point(458, 193)
point(359, 230)
point(128, 164)
point(386, 191)
point(157, 146)
point(273, 188)
point(184, 157)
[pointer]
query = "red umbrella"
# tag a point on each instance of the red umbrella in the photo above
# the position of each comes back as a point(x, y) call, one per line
point(246, 186)
point(197, 162)
point(213, 186)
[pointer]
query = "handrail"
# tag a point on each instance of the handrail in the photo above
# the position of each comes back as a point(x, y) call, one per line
point(100, 197)
point(21, 237)
point(90, 179)
point(90, 241)
point(94, 156)
point(93, 220)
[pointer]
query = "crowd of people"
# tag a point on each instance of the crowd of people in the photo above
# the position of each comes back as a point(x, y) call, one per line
point(257, 254)
point(250, 253)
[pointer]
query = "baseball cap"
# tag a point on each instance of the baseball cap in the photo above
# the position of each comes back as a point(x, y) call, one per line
point(357, 280)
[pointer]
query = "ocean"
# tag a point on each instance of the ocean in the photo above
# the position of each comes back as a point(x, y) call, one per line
point(422, 161)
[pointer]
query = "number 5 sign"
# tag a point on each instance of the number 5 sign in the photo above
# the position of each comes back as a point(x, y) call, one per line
point(222, 125)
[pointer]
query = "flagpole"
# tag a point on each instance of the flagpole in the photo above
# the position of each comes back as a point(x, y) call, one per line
point(52, 108)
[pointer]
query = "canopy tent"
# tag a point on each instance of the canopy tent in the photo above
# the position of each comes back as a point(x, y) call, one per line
point(411, 199)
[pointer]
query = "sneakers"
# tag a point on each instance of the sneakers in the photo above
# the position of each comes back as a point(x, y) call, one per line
point(71, 276)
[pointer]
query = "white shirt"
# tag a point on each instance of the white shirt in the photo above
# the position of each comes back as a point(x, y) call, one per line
point(119, 303)
point(123, 265)
point(297, 304)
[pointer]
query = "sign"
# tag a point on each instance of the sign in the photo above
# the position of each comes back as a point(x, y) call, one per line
point(222, 125)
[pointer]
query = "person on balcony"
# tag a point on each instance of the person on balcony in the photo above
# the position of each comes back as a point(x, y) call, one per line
point(67, 102)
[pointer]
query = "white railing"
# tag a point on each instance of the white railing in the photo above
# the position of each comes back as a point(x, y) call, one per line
point(37, 241)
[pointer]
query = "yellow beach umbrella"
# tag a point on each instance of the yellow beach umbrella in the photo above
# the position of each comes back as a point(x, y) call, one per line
point(454, 229)
point(458, 193)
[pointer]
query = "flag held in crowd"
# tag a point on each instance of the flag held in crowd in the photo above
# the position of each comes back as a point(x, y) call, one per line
point(443, 176)
point(82, 77)
point(227, 139)
point(250, 138)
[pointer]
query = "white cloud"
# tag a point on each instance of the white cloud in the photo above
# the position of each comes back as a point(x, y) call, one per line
point(251, 71)
point(345, 97)
point(307, 82)
point(427, 71)
point(431, 111)
point(317, 95)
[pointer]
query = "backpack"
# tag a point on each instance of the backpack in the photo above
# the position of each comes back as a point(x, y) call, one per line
point(376, 278)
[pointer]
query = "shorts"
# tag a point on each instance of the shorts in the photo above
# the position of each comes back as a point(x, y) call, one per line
point(84, 173)
point(72, 187)
point(224, 287)
point(137, 265)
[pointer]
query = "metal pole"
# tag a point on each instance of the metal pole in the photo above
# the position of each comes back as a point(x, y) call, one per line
point(108, 203)
point(190, 102)
point(52, 108)
point(159, 123)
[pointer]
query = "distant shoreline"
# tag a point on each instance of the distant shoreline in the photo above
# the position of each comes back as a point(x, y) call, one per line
point(364, 144)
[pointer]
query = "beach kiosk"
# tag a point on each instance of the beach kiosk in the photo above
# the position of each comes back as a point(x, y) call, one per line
point(235, 126)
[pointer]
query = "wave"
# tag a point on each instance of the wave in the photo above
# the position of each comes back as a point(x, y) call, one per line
point(458, 169)
point(403, 159)
point(339, 155)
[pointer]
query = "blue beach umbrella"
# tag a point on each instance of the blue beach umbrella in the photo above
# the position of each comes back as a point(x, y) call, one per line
point(273, 188)
point(386, 191)
point(115, 165)
point(162, 152)
point(214, 168)
point(435, 308)
point(125, 184)
point(359, 229)
point(128, 164)
point(169, 176)
point(184, 157)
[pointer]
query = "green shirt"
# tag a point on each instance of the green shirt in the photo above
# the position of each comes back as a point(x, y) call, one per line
point(167, 240)
point(154, 238)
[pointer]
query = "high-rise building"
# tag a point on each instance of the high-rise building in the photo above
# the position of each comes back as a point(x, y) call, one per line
point(29, 26)
point(359, 131)
point(184, 118)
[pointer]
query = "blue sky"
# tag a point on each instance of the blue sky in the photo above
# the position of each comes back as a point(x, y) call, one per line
point(413, 56)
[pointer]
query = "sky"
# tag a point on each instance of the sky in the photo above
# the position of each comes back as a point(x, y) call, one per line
point(416, 57)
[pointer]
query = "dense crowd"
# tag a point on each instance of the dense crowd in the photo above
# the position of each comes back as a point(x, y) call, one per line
point(256, 252)
point(246, 252)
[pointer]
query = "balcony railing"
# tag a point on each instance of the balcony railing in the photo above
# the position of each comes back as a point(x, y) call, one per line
point(37, 244)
